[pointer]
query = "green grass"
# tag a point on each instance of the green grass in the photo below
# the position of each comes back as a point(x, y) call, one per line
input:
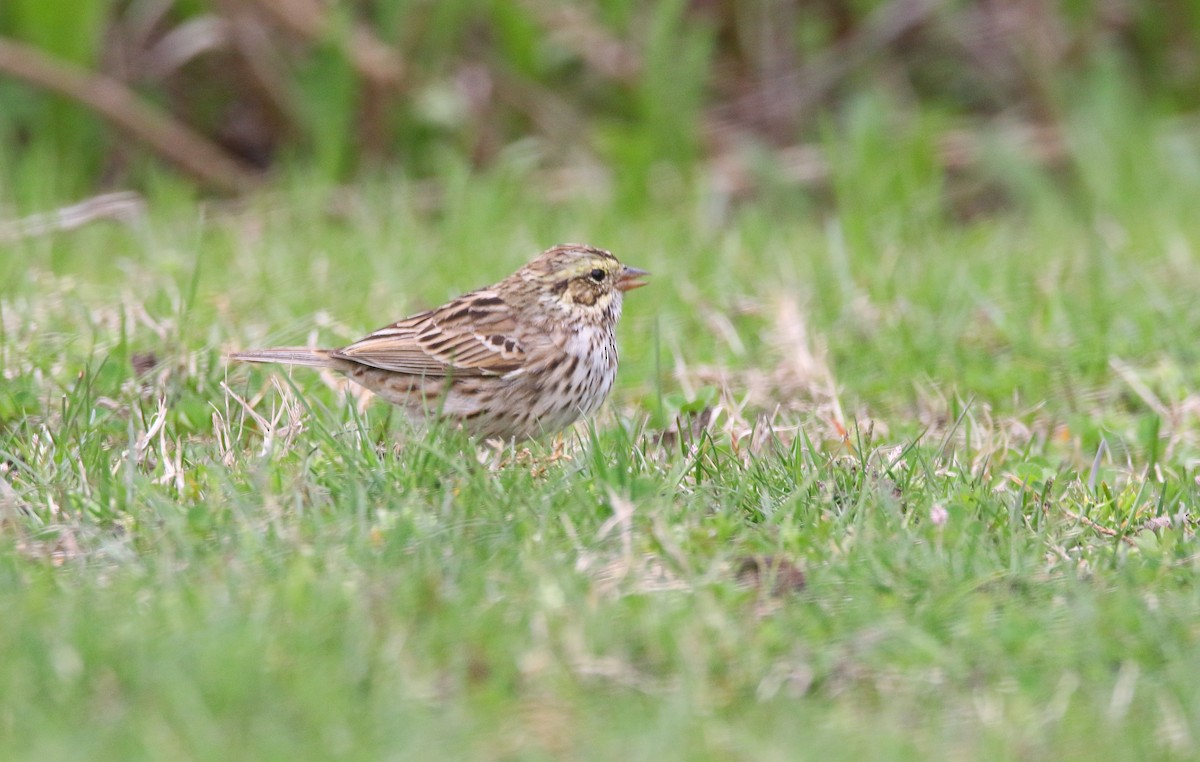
point(176, 581)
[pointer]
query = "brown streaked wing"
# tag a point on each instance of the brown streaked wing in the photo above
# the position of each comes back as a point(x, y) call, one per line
point(472, 335)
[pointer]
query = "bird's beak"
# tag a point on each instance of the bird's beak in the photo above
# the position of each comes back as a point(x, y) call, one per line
point(628, 279)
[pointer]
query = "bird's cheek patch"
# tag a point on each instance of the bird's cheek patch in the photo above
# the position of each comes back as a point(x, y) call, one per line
point(584, 296)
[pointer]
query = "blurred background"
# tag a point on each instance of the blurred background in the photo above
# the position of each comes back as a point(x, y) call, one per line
point(615, 99)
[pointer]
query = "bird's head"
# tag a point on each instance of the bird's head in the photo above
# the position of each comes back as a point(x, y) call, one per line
point(582, 280)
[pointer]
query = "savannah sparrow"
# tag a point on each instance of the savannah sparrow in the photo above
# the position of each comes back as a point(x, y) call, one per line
point(526, 356)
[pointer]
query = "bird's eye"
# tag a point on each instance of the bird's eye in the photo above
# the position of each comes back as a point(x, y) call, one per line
point(597, 275)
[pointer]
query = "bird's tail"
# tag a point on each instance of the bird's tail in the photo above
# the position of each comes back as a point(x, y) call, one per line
point(317, 358)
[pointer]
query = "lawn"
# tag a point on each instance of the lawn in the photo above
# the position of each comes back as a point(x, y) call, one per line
point(975, 433)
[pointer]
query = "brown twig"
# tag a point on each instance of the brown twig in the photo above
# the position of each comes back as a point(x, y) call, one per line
point(259, 63)
point(121, 106)
point(123, 206)
point(574, 29)
point(1106, 531)
point(371, 57)
point(183, 43)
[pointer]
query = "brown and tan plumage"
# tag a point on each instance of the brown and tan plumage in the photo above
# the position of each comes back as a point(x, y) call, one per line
point(526, 356)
